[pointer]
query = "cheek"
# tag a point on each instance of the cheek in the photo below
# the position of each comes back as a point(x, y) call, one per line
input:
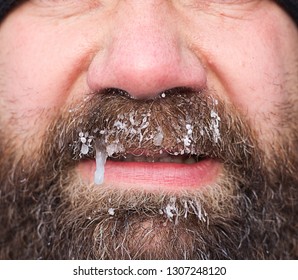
point(250, 73)
point(251, 66)
point(40, 71)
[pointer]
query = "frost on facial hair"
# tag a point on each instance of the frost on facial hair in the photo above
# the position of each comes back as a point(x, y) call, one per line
point(131, 131)
point(173, 212)
point(214, 125)
point(158, 138)
point(111, 211)
point(86, 142)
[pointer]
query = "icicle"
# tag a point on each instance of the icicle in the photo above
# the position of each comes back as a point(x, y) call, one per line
point(111, 211)
point(214, 126)
point(158, 138)
point(84, 149)
point(100, 158)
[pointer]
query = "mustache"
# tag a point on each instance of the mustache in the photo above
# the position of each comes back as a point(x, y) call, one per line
point(179, 122)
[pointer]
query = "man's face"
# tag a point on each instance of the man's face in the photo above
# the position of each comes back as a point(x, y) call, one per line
point(148, 129)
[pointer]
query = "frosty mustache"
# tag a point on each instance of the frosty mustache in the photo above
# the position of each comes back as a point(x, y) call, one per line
point(181, 124)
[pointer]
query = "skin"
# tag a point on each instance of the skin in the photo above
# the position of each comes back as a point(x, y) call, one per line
point(247, 61)
point(54, 53)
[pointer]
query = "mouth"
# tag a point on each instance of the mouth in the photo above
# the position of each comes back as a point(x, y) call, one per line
point(159, 172)
point(162, 157)
point(153, 144)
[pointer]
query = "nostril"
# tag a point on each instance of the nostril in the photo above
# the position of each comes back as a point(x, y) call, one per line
point(163, 94)
point(117, 91)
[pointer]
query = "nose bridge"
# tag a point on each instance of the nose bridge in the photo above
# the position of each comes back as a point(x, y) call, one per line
point(144, 56)
point(145, 41)
point(147, 47)
point(146, 25)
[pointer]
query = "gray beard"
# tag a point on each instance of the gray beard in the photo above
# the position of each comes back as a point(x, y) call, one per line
point(249, 213)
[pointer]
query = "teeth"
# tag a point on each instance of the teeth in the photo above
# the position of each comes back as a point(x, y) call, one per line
point(164, 158)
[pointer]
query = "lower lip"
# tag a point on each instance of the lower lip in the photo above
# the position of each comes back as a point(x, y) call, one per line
point(157, 176)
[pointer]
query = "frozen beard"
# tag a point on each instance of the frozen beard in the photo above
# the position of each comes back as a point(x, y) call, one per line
point(250, 211)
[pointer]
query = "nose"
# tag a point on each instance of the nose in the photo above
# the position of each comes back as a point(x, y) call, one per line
point(145, 53)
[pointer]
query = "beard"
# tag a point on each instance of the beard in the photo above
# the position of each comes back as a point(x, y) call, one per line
point(249, 212)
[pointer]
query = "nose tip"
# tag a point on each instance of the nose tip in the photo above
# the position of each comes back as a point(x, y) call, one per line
point(145, 59)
